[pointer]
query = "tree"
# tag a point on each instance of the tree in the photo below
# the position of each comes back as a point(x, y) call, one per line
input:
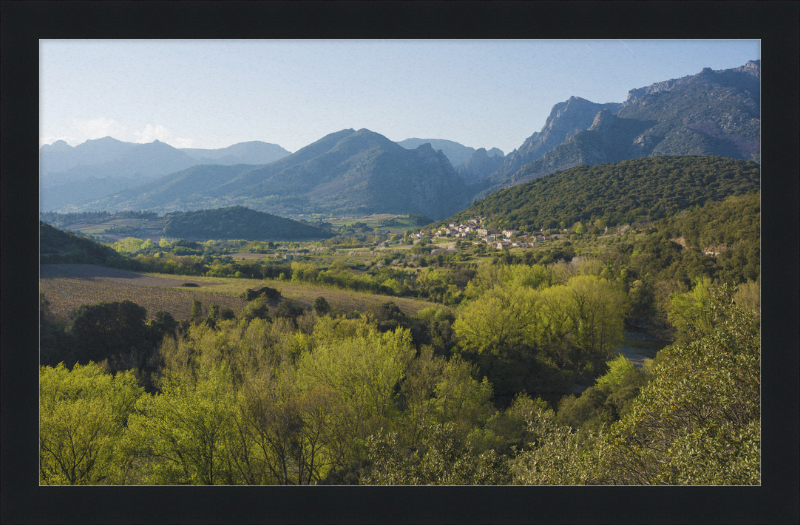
point(107, 329)
point(502, 319)
point(197, 310)
point(418, 388)
point(460, 399)
point(185, 428)
point(689, 312)
point(82, 415)
point(556, 455)
point(441, 459)
point(597, 308)
point(363, 367)
point(321, 306)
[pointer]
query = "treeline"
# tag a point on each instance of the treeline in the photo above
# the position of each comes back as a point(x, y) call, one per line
point(62, 219)
point(60, 247)
point(616, 193)
point(315, 398)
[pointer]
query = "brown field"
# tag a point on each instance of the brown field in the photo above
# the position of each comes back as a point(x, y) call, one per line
point(67, 286)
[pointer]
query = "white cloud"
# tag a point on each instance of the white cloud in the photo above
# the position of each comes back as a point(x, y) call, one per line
point(100, 127)
point(159, 132)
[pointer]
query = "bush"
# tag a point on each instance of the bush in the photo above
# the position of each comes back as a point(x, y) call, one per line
point(289, 309)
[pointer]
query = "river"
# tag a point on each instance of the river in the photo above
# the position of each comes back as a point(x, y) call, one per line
point(638, 345)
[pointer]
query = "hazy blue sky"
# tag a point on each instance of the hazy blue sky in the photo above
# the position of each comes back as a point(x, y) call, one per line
point(214, 93)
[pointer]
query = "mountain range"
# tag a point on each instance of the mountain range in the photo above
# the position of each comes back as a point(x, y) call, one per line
point(96, 168)
point(354, 172)
point(712, 113)
point(456, 153)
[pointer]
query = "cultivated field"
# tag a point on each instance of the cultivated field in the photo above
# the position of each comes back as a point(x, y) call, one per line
point(67, 286)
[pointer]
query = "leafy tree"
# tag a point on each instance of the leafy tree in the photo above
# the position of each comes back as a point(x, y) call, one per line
point(185, 429)
point(441, 459)
point(556, 456)
point(418, 388)
point(197, 310)
point(258, 309)
point(321, 306)
point(617, 370)
point(289, 309)
point(597, 308)
point(364, 368)
point(502, 319)
point(460, 399)
point(107, 329)
point(82, 416)
point(690, 313)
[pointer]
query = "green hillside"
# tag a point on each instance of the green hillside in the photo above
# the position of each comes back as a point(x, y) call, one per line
point(617, 192)
point(238, 222)
point(60, 247)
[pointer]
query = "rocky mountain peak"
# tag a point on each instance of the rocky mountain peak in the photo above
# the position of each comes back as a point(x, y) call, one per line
point(603, 120)
point(753, 67)
point(495, 152)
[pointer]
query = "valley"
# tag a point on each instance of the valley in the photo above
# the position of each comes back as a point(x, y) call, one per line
point(363, 311)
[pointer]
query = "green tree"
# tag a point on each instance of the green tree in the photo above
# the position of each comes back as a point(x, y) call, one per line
point(502, 319)
point(441, 459)
point(689, 312)
point(197, 310)
point(556, 456)
point(184, 429)
point(82, 415)
point(321, 306)
point(107, 329)
point(363, 367)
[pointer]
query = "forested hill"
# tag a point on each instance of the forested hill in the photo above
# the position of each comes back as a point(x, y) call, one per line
point(617, 193)
point(60, 247)
point(238, 222)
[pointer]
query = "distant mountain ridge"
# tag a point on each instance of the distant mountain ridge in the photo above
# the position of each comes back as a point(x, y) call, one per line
point(358, 172)
point(456, 153)
point(254, 152)
point(711, 113)
point(95, 168)
point(479, 165)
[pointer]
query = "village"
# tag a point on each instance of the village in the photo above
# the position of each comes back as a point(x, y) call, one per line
point(497, 239)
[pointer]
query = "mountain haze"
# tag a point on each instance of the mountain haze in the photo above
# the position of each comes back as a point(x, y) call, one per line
point(253, 152)
point(479, 165)
point(72, 176)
